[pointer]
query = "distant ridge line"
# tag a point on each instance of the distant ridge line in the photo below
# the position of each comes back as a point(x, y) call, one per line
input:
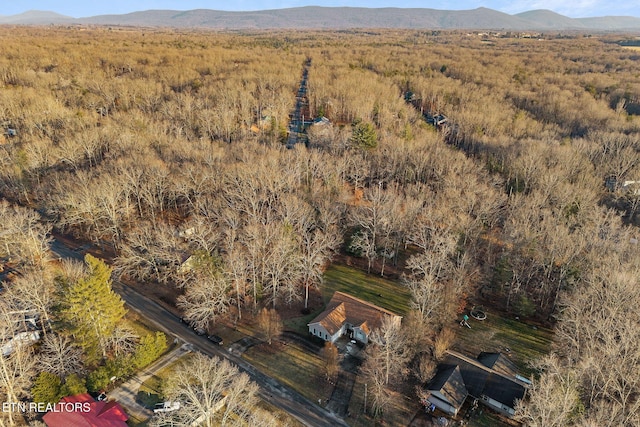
point(318, 17)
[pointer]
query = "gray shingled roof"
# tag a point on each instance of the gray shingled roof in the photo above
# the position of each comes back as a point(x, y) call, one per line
point(449, 383)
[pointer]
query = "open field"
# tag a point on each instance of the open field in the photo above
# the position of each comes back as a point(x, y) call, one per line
point(368, 287)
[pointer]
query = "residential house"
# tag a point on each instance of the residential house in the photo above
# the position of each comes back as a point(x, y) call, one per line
point(82, 410)
point(348, 315)
point(20, 339)
point(447, 390)
point(492, 378)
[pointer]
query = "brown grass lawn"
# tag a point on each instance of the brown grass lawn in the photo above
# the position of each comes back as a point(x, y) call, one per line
point(292, 365)
point(284, 419)
point(399, 412)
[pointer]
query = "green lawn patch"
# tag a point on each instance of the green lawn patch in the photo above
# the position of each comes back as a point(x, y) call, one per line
point(368, 287)
point(134, 321)
point(525, 342)
point(299, 324)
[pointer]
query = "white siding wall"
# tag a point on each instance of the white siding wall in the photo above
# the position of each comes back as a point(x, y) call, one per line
point(443, 406)
point(500, 407)
point(360, 335)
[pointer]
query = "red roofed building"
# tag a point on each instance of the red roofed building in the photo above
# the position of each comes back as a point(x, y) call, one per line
point(82, 410)
point(349, 315)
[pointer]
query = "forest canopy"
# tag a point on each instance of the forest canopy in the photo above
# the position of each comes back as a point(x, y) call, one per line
point(168, 149)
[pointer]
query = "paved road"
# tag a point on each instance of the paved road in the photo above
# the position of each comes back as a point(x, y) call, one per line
point(271, 390)
point(296, 125)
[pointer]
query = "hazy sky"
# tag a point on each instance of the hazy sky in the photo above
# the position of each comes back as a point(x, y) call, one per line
point(82, 8)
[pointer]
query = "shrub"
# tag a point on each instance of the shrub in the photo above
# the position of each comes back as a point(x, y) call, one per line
point(46, 388)
point(149, 349)
point(73, 385)
point(98, 379)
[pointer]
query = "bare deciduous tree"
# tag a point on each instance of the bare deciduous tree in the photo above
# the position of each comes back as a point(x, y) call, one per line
point(122, 341)
point(34, 292)
point(269, 323)
point(211, 392)
point(370, 218)
point(317, 250)
point(554, 400)
point(60, 356)
point(374, 372)
point(207, 292)
point(23, 237)
point(330, 359)
point(151, 251)
point(390, 343)
point(16, 369)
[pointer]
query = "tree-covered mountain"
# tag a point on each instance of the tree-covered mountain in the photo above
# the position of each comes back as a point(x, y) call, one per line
point(316, 17)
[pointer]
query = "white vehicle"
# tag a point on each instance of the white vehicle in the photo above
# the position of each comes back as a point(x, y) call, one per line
point(23, 338)
point(166, 407)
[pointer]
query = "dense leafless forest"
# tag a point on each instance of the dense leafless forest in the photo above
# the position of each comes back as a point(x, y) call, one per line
point(160, 145)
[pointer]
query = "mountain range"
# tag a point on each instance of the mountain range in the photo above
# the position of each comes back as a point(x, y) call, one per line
point(316, 17)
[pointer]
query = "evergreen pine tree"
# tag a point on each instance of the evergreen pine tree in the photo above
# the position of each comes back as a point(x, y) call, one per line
point(46, 388)
point(92, 309)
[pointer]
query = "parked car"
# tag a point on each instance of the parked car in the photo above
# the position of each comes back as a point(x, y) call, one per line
point(215, 339)
point(166, 407)
point(199, 331)
point(102, 396)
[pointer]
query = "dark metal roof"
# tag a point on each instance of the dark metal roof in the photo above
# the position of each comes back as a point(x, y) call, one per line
point(483, 380)
point(499, 363)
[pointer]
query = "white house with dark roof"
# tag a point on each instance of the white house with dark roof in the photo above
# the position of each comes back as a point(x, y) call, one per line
point(348, 315)
point(447, 390)
point(492, 378)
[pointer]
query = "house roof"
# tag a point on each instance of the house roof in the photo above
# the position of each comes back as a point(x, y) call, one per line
point(488, 381)
point(499, 363)
point(332, 318)
point(346, 308)
point(448, 383)
point(503, 390)
point(99, 414)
